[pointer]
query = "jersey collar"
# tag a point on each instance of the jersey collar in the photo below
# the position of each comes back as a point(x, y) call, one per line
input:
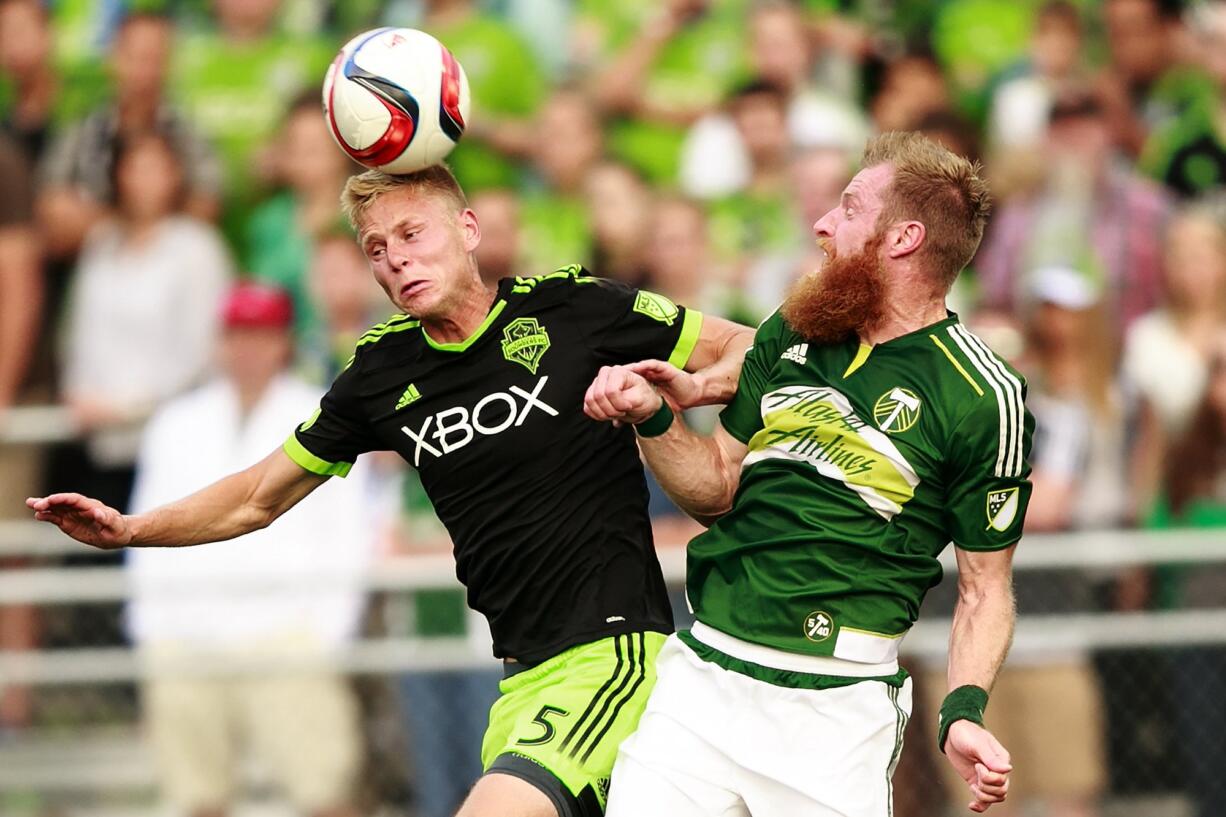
point(460, 346)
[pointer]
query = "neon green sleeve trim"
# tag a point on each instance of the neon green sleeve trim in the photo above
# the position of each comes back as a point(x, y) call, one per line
point(308, 461)
point(691, 327)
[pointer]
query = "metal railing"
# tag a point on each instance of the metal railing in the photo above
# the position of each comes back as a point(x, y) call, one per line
point(926, 641)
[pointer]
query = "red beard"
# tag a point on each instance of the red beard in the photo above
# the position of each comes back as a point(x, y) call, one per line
point(845, 298)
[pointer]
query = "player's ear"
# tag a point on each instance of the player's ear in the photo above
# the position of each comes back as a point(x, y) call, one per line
point(469, 229)
point(904, 238)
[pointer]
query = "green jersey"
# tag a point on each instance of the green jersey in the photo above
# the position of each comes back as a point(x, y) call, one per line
point(863, 464)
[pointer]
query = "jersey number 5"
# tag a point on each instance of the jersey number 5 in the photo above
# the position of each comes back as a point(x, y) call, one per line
point(542, 720)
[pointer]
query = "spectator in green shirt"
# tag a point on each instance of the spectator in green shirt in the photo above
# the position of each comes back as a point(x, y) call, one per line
point(816, 177)
point(36, 95)
point(976, 39)
point(1189, 154)
point(679, 263)
point(658, 67)
point(554, 213)
point(759, 218)
point(621, 209)
point(76, 175)
point(1146, 85)
point(347, 300)
point(236, 83)
point(912, 86)
point(714, 160)
point(507, 87)
point(498, 254)
point(281, 233)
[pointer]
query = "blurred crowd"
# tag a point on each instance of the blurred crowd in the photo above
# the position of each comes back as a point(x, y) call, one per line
point(154, 153)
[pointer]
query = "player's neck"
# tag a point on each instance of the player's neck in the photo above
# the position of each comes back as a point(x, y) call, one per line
point(461, 322)
point(903, 318)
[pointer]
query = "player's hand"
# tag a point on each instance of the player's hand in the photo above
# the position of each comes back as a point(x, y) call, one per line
point(684, 390)
point(84, 519)
point(981, 761)
point(621, 395)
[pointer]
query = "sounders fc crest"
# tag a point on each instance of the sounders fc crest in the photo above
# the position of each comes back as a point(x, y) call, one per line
point(1002, 509)
point(525, 341)
point(656, 307)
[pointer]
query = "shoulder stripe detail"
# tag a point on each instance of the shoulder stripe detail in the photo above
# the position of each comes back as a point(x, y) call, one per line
point(572, 271)
point(384, 329)
point(1000, 399)
point(1008, 391)
point(957, 365)
point(1013, 385)
point(394, 320)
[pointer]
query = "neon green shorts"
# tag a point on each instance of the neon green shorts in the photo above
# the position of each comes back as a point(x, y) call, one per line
point(558, 724)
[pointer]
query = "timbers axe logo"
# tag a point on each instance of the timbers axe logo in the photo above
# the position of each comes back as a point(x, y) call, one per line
point(1002, 509)
point(896, 410)
point(525, 341)
point(818, 626)
point(656, 307)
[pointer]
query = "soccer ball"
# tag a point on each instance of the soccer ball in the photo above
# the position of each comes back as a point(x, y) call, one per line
point(396, 100)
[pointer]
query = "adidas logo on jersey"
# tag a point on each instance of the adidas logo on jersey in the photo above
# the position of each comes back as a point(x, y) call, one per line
point(411, 395)
point(796, 354)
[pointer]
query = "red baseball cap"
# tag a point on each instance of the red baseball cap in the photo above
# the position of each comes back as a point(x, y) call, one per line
point(251, 304)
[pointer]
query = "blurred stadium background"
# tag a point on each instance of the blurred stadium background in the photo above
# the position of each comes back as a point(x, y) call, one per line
point(153, 152)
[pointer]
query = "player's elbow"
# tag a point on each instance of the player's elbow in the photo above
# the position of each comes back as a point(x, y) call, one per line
point(253, 516)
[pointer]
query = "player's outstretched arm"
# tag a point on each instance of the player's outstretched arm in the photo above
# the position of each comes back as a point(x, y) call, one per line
point(699, 473)
point(978, 642)
point(238, 504)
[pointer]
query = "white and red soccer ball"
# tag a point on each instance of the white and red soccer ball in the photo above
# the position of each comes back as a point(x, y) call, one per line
point(395, 99)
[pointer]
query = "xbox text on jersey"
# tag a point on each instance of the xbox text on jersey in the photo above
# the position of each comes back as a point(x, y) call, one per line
point(456, 427)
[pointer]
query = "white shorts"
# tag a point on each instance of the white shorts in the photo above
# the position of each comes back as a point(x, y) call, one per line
point(716, 743)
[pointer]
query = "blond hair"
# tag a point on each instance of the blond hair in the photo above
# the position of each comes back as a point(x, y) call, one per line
point(939, 189)
point(362, 190)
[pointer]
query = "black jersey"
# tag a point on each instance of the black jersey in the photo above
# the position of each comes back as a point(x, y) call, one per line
point(546, 507)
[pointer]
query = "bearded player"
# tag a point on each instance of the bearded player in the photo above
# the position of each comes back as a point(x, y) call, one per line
point(482, 391)
point(869, 429)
